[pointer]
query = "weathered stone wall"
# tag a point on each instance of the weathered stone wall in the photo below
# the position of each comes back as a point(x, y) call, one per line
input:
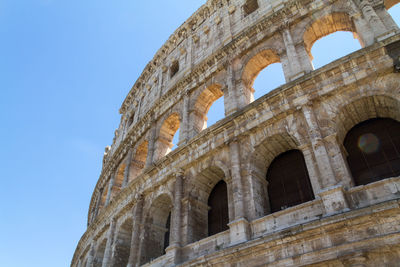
point(218, 52)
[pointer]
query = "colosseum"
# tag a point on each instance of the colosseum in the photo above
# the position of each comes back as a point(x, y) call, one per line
point(306, 175)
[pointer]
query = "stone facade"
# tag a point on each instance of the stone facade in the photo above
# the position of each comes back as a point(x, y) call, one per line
point(147, 193)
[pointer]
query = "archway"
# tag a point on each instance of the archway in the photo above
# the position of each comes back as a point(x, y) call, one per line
point(166, 135)
point(208, 97)
point(329, 24)
point(98, 259)
point(138, 161)
point(373, 148)
point(339, 44)
point(288, 181)
point(393, 8)
point(201, 196)
point(123, 244)
point(156, 229)
point(218, 215)
point(252, 69)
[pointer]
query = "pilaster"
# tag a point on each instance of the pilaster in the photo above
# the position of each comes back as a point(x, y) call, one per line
point(110, 187)
point(127, 168)
point(110, 241)
point(152, 141)
point(137, 211)
point(239, 227)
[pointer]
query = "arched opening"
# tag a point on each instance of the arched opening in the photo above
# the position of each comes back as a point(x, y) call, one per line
point(123, 244)
point(250, 6)
point(174, 68)
point(253, 68)
point(339, 44)
point(373, 148)
point(103, 198)
point(268, 79)
point(288, 181)
point(391, 3)
point(202, 208)
point(156, 229)
point(98, 259)
point(210, 98)
point(119, 179)
point(393, 8)
point(325, 26)
point(166, 135)
point(218, 216)
point(138, 161)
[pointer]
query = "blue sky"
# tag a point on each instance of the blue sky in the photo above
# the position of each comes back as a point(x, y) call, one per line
point(65, 68)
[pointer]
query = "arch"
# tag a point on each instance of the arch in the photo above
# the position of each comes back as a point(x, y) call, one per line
point(255, 65)
point(103, 197)
point(202, 105)
point(337, 21)
point(390, 3)
point(250, 6)
point(174, 68)
point(364, 108)
point(265, 152)
point(98, 259)
point(218, 215)
point(373, 148)
point(139, 160)
point(123, 244)
point(167, 131)
point(155, 229)
point(200, 188)
point(119, 179)
point(288, 181)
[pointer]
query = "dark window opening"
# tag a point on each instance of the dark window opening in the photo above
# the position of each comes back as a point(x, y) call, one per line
point(174, 68)
point(218, 216)
point(373, 148)
point(250, 7)
point(130, 120)
point(288, 181)
point(167, 233)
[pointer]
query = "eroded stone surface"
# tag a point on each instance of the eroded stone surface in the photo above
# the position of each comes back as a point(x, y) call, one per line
point(218, 52)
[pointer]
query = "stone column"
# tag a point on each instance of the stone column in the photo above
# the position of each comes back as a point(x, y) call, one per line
point(135, 241)
point(364, 33)
point(152, 141)
point(110, 241)
point(231, 100)
point(239, 227)
point(296, 69)
point(184, 135)
point(127, 168)
point(110, 187)
point(90, 258)
point(79, 264)
point(96, 211)
point(332, 193)
point(312, 169)
point(386, 18)
point(175, 237)
point(373, 19)
point(336, 152)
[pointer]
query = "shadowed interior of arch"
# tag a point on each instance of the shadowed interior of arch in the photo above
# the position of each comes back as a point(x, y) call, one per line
point(208, 108)
point(168, 130)
point(373, 148)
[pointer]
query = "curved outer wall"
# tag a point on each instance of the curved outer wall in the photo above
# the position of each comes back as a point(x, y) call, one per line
point(218, 52)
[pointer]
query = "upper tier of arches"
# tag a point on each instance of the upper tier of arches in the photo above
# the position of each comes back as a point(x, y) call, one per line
point(225, 69)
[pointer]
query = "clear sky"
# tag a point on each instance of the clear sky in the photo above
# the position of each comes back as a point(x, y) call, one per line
point(65, 68)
